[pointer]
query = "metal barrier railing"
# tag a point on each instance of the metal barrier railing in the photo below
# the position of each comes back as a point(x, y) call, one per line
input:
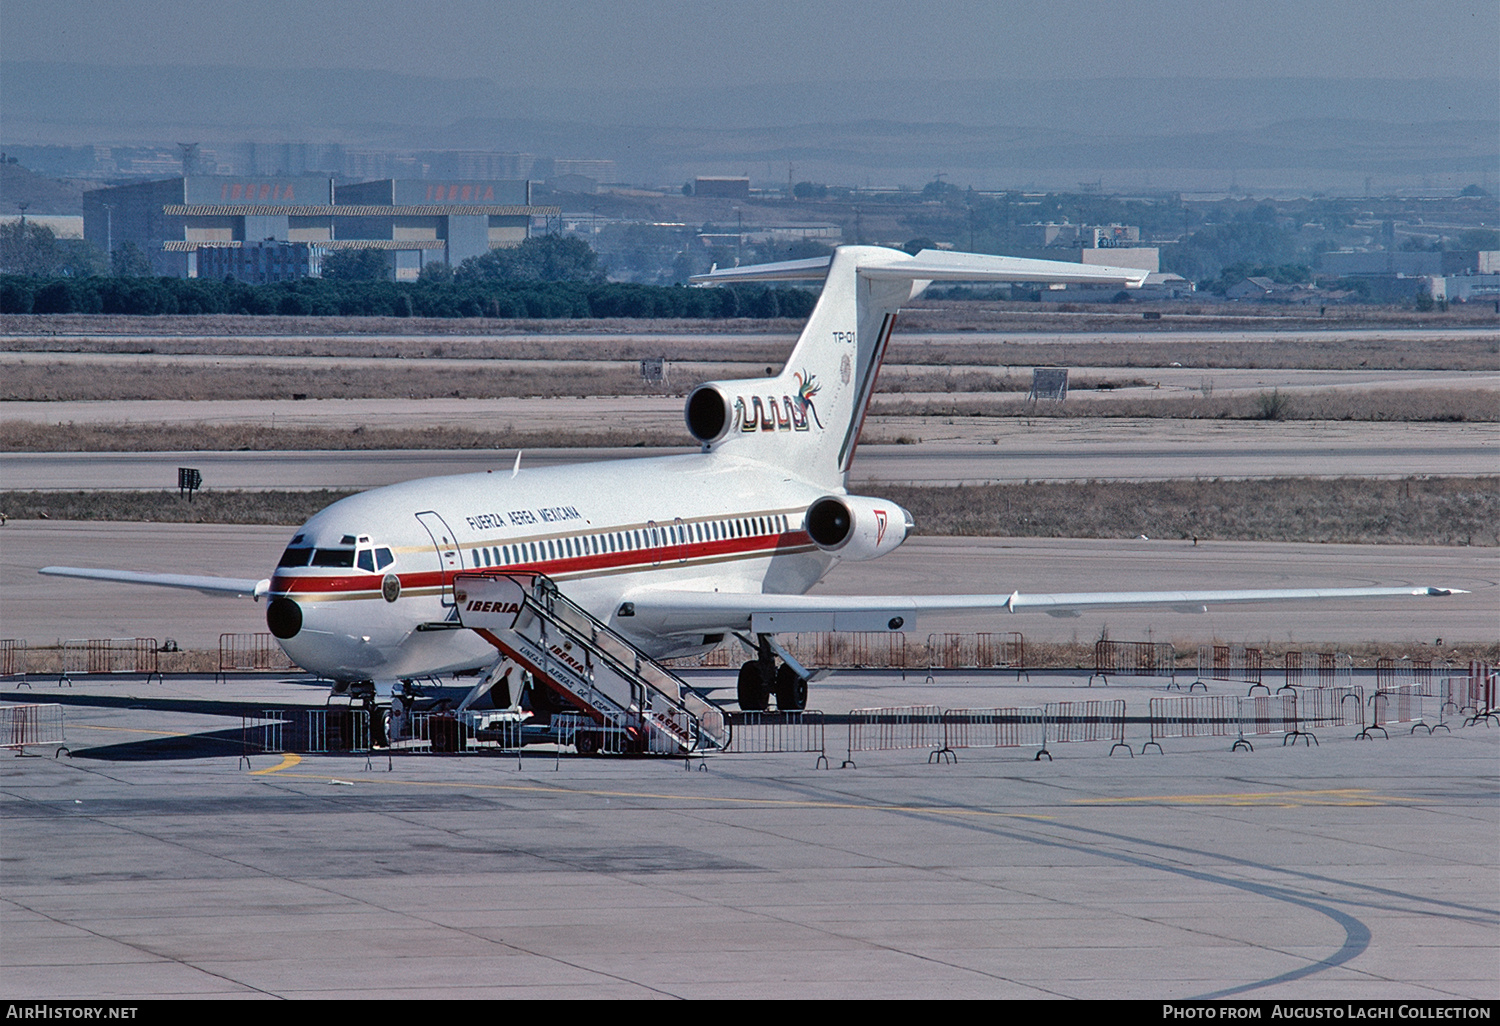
point(853, 650)
point(1473, 693)
point(13, 659)
point(1322, 670)
point(767, 733)
point(1404, 703)
point(22, 725)
point(109, 656)
point(1200, 716)
point(1234, 663)
point(1330, 707)
point(885, 650)
point(1134, 659)
point(992, 728)
point(262, 734)
point(1069, 722)
point(1408, 672)
point(894, 728)
point(978, 652)
point(249, 653)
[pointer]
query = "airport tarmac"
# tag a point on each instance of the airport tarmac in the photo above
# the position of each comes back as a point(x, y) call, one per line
point(950, 451)
point(45, 609)
point(153, 863)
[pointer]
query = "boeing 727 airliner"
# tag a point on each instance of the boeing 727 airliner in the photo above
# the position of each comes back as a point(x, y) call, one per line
point(676, 552)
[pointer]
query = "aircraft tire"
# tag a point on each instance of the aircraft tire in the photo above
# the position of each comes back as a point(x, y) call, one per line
point(750, 692)
point(791, 689)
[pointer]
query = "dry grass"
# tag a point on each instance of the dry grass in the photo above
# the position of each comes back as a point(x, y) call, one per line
point(1207, 314)
point(287, 509)
point(1416, 511)
point(1447, 342)
point(74, 381)
point(923, 315)
point(25, 436)
point(1476, 405)
point(52, 381)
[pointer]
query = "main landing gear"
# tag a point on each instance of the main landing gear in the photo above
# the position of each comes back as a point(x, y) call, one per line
point(762, 677)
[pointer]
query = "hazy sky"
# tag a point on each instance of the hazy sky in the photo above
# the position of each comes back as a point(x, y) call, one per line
point(624, 44)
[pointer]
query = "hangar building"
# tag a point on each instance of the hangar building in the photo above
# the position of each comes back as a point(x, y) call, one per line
point(416, 222)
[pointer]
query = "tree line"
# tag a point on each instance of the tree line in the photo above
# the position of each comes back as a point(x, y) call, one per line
point(453, 297)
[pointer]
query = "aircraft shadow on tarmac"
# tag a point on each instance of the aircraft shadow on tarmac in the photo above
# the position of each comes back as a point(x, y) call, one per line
point(215, 744)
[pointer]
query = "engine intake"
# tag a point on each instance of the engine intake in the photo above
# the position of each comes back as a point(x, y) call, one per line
point(707, 414)
point(856, 527)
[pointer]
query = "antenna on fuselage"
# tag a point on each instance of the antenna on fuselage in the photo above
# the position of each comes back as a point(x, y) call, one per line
point(517, 468)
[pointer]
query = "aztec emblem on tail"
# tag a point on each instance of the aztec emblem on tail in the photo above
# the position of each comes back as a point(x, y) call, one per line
point(784, 414)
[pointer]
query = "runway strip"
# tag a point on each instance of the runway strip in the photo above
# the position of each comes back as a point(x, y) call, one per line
point(952, 451)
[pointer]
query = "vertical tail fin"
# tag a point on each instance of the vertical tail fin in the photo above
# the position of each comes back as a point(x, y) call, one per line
point(808, 418)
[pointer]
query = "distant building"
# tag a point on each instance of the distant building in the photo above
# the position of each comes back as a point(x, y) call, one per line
point(1272, 291)
point(1468, 288)
point(418, 222)
point(1409, 263)
point(721, 187)
point(1079, 236)
point(1146, 258)
point(261, 262)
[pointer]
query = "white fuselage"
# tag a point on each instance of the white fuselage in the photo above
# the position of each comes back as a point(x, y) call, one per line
point(375, 581)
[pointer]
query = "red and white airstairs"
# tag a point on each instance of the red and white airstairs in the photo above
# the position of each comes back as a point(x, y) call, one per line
point(625, 701)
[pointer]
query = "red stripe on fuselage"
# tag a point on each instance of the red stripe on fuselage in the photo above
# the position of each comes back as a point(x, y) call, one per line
point(661, 555)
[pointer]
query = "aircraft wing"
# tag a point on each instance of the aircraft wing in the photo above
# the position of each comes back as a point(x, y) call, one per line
point(668, 612)
point(207, 585)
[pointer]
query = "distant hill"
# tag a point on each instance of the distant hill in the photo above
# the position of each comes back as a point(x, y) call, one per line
point(1167, 133)
point(41, 195)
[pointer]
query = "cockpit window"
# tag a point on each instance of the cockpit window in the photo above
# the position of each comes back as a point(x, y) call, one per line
point(366, 561)
point(383, 558)
point(333, 557)
point(295, 556)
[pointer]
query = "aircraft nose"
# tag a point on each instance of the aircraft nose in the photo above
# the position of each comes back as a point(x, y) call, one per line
point(284, 617)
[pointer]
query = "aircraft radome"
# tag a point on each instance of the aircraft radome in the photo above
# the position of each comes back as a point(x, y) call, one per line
point(677, 552)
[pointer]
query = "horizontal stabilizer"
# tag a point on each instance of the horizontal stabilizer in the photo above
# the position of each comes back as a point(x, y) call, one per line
point(879, 264)
point(207, 585)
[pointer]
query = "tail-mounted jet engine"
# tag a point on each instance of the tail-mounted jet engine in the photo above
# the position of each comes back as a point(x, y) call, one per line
point(856, 527)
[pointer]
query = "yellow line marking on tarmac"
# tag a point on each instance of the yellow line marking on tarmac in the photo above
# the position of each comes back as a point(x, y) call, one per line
point(288, 760)
point(128, 730)
point(1349, 796)
point(779, 803)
